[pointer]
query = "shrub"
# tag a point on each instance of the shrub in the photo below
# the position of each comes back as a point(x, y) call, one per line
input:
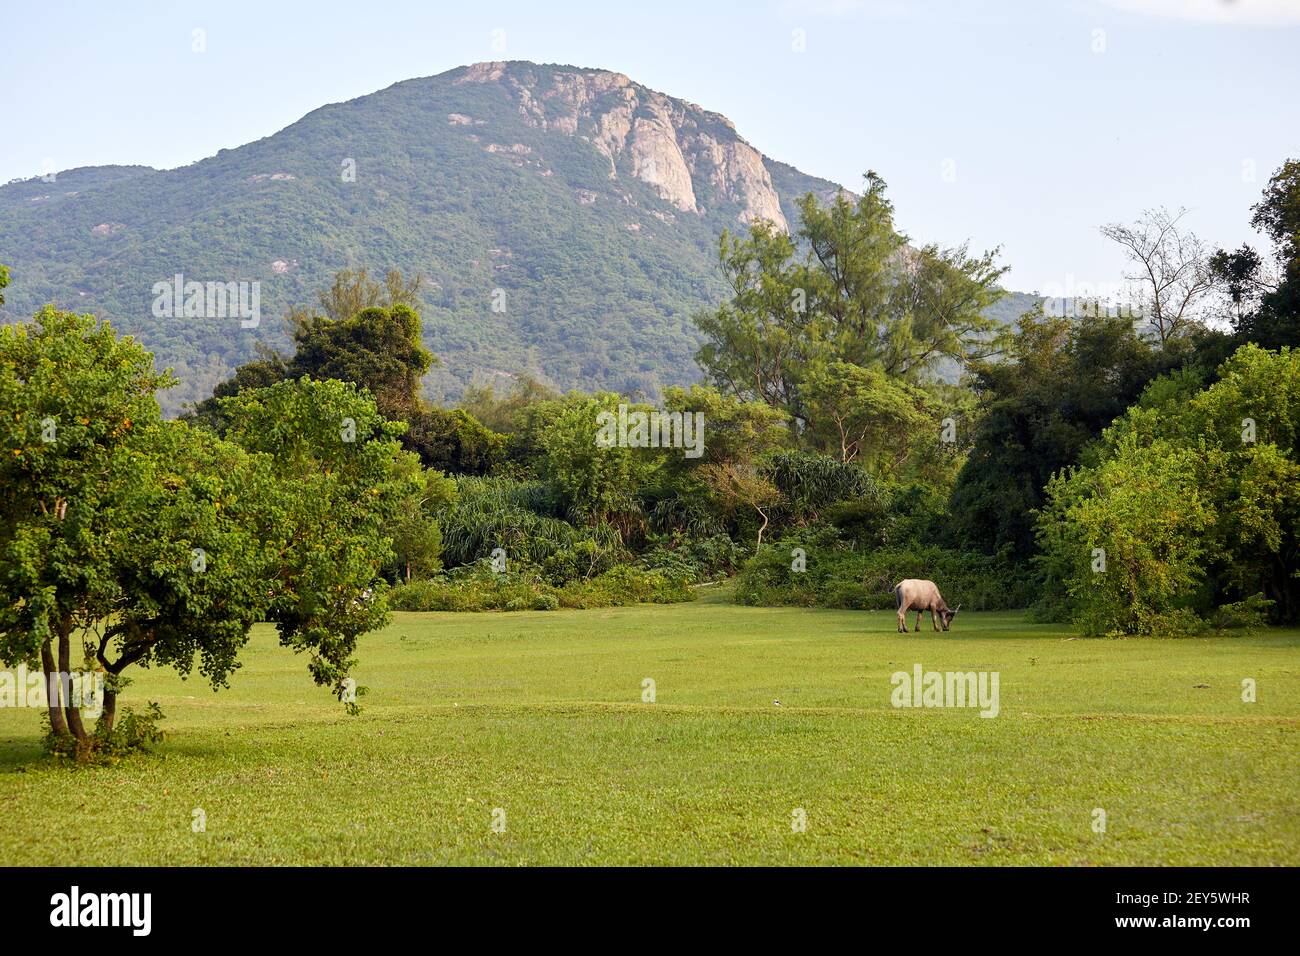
point(131, 733)
point(693, 559)
point(523, 518)
point(478, 588)
point(1248, 615)
point(837, 576)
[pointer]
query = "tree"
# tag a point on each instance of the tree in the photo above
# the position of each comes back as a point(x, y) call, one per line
point(734, 430)
point(860, 295)
point(1060, 385)
point(4, 281)
point(1195, 496)
point(417, 534)
point(369, 334)
point(1170, 267)
point(353, 292)
point(864, 415)
point(738, 486)
point(1125, 537)
point(333, 453)
point(596, 482)
point(453, 441)
point(160, 544)
point(76, 401)
point(377, 348)
point(1266, 295)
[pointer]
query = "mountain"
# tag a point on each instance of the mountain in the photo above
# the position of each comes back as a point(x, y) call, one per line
point(586, 204)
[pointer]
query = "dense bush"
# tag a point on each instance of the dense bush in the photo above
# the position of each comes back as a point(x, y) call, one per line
point(521, 517)
point(1192, 498)
point(838, 576)
point(478, 588)
point(693, 559)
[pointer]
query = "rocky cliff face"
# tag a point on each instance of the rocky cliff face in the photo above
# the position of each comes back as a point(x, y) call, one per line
point(693, 158)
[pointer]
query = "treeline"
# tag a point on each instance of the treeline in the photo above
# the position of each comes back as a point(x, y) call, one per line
point(835, 458)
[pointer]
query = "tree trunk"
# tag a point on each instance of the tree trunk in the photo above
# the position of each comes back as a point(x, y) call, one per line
point(70, 711)
point(761, 529)
point(57, 724)
point(109, 713)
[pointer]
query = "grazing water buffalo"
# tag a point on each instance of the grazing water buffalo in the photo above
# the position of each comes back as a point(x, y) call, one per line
point(921, 596)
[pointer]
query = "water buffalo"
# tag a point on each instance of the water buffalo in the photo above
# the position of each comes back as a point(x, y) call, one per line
point(920, 596)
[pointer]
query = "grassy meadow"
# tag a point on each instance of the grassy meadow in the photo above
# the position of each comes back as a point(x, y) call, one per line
point(540, 714)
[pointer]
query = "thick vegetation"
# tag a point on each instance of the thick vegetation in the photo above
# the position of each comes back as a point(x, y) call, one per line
point(1129, 481)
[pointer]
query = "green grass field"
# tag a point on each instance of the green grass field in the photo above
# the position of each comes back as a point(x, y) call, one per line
point(540, 715)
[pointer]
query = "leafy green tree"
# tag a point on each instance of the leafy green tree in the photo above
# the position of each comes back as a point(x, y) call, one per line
point(77, 416)
point(354, 291)
point(376, 348)
point(734, 430)
point(369, 334)
point(1266, 296)
point(332, 452)
point(864, 415)
point(453, 441)
point(160, 544)
point(417, 532)
point(4, 281)
point(1193, 494)
point(1060, 384)
point(596, 483)
point(1125, 537)
point(859, 295)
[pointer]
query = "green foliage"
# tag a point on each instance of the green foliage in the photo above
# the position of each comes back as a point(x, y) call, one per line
point(503, 414)
point(1267, 300)
point(596, 484)
point(1059, 386)
point(864, 415)
point(333, 453)
point(377, 348)
point(734, 430)
point(132, 733)
point(161, 544)
point(478, 588)
point(837, 576)
point(453, 441)
point(693, 559)
point(417, 535)
point(1247, 615)
point(857, 296)
point(523, 519)
point(1196, 501)
point(809, 484)
point(1145, 509)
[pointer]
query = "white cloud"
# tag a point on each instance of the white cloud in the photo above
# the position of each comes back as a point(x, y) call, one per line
point(1243, 12)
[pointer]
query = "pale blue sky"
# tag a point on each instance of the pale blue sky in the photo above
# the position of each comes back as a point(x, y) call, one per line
point(1052, 128)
